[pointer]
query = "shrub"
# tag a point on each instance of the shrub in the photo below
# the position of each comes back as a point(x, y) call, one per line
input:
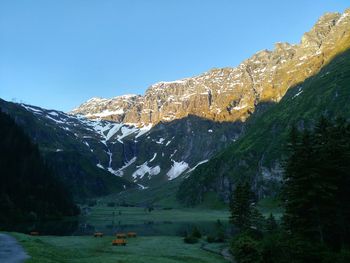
point(245, 249)
point(220, 235)
point(190, 240)
point(196, 233)
point(211, 239)
point(275, 248)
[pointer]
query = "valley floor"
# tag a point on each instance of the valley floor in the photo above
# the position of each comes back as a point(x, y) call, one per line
point(163, 249)
point(160, 235)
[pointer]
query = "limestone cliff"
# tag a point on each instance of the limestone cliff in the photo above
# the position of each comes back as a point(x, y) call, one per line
point(230, 94)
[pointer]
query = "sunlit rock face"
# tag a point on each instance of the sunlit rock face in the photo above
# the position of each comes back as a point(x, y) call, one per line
point(230, 94)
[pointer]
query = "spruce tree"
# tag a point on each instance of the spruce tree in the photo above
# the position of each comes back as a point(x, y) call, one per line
point(271, 224)
point(317, 183)
point(240, 206)
point(297, 185)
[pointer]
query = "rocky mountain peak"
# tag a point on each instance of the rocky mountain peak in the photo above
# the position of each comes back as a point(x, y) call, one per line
point(231, 94)
point(320, 30)
point(112, 109)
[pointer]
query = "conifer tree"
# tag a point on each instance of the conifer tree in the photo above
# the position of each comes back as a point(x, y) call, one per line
point(271, 224)
point(316, 183)
point(240, 206)
point(297, 184)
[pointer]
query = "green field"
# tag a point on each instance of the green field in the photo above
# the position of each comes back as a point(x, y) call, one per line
point(139, 215)
point(162, 249)
point(158, 222)
point(160, 235)
point(161, 243)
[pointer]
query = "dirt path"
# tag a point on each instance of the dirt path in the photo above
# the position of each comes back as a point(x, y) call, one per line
point(227, 255)
point(224, 252)
point(10, 250)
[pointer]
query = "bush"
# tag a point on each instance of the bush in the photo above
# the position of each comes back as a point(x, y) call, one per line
point(196, 233)
point(245, 249)
point(220, 236)
point(211, 239)
point(271, 224)
point(190, 240)
point(275, 248)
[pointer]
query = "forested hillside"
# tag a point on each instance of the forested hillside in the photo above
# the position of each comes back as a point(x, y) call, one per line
point(258, 155)
point(28, 189)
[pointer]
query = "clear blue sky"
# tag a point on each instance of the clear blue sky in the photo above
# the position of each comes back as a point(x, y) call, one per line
point(57, 54)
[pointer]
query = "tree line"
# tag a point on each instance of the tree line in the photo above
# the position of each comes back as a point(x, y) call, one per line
point(315, 225)
point(28, 188)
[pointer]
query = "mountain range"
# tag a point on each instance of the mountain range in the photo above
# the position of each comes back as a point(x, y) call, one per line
point(205, 132)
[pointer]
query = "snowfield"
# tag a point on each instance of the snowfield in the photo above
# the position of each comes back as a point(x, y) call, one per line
point(145, 169)
point(177, 169)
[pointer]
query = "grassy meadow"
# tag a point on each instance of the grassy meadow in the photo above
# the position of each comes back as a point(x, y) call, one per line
point(160, 235)
point(139, 215)
point(163, 249)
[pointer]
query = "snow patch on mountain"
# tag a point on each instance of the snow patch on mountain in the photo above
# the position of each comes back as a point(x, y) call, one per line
point(53, 113)
point(144, 169)
point(300, 90)
point(105, 113)
point(126, 131)
point(160, 141)
point(57, 121)
point(100, 166)
point(29, 108)
point(120, 171)
point(142, 187)
point(144, 130)
point(177, 169)
point(198, 164)
point(154, 157)
point(113, 131)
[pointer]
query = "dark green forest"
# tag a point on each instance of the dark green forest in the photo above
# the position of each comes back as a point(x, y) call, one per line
point(315, 197)
point(28, 188)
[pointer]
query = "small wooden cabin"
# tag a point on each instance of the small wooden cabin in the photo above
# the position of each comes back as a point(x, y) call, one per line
point(132, 234)
point(121, 235)
point(98, 234)
point(119, 242)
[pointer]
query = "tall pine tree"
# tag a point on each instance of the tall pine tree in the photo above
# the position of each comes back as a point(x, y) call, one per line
point(316, 183)
point(241, 206)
